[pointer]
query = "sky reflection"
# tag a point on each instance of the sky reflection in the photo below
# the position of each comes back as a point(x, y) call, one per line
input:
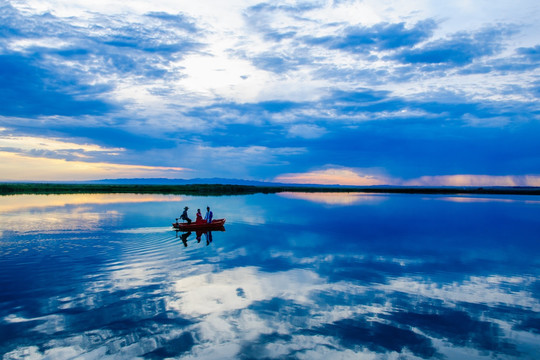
point(406, 277)
point(49, 213)
point(335, 198)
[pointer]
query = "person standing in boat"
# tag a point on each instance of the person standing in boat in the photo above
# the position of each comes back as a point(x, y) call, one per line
point(184, 215)
point(199, 219)
point(209, 215)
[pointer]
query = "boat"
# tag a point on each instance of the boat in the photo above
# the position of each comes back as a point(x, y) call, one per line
point(215, 224)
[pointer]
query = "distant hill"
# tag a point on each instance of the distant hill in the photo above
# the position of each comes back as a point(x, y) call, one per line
point(165, 181)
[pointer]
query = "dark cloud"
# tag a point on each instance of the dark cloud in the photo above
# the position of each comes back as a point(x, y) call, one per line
point(530, 324)
point(258, 113)
point(115, 136)
point(524, 60)
point(261, 18)
point(54, 81)
point(274, 62)
point(446, 134)
point(383, 36)
point(459, 49)
point(179, 21)
point(28, 90)
point(531, 53)
point(151, 38)
point(413, 147)
point(8, 26)
point(458, 328)
point(435, 132)
point(379, 337)
point(409, 46)
point(535, 89)
point(279, 35)
point(14, 25)
point(271, 8)
point(109, 46)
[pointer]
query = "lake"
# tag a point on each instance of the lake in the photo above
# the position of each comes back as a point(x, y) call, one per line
point(293, 276)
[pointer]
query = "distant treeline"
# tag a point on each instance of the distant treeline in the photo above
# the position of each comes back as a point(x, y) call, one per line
point(55, 188)
point(219, 189)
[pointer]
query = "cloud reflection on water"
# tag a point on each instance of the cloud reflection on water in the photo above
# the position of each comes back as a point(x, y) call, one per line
point(479, 199)
point(288, 290)
point(248, 312)
point(335, 198)
point(247, 305)
point(66, 212)
point(14, 203)
point(73, 219)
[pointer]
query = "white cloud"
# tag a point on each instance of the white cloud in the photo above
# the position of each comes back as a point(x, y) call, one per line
point(20, 168)
point(27, 143)
point(488, 290)
point(306, 131)
point(235, 289)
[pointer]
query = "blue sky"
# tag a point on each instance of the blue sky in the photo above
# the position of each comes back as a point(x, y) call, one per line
point(350, 92)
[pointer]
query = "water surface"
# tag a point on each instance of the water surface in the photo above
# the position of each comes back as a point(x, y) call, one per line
point(298, 276)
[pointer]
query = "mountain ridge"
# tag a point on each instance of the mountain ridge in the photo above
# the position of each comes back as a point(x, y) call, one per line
point(198, 181)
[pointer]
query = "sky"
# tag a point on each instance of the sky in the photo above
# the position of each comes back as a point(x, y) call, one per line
point(327, 92)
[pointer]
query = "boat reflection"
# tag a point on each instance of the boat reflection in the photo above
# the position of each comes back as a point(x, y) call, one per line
point(184, 236)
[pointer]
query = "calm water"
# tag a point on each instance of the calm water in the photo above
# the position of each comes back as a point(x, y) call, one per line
point(294, 276)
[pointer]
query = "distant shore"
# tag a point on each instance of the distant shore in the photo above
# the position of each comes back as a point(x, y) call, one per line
point(220, 189)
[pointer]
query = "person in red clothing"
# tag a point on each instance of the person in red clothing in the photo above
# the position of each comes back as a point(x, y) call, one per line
point(199, 219)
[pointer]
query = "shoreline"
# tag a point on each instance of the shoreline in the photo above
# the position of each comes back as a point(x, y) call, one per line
point(220, 189)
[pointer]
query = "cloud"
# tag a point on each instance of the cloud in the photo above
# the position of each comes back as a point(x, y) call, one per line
point(372, 86)
point(459, 49)
point(475, 180)
point(382, 36)
point(306, 131)
point(20, 168)
point(54, 66)
point(180, 21)
point(332, 176)
point(346, 176)
point(29, 144)
point(281, 63)
point(531, 53)
point(29, 90)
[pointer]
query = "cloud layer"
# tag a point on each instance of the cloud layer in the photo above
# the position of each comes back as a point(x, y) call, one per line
point(264, 90)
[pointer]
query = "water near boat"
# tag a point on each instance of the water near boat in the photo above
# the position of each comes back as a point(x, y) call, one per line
point(294, 275)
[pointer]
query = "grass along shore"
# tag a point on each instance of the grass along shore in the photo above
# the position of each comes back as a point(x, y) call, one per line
point(219, 189)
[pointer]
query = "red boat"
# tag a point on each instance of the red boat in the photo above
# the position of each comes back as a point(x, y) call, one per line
point(215, 224)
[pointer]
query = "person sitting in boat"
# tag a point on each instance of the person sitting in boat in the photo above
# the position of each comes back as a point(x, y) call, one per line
point(199, 219)
point(184, 215)
point(209, 215)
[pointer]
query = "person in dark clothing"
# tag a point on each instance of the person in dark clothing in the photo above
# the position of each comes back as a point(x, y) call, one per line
point(184, 215)
point(209, 215)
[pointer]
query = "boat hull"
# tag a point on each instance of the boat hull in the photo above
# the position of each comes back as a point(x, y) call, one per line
point(215, 224)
